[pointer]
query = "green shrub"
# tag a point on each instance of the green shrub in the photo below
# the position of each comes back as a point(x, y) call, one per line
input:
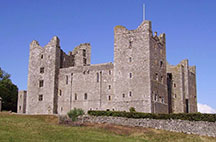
point(132, 109)
point(74, 113)
point(140, 115)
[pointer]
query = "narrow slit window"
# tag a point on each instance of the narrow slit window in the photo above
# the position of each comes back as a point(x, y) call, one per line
point(41, 83)
point(85, 96)
point(110, 72)
point(84, 61)
point(130, 93)
point(109, 98)
point(84, 53)
point(75, 96)
point(109, 87)
point(97, 77)
point(130, 75)
point(130, 44)
point(66, 79)
point(130, 59)
point(161, 63)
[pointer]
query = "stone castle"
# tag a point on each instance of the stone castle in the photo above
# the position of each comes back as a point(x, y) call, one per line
point(139, 77)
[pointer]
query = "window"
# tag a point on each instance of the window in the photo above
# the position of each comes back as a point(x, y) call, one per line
point(155, 98)
point(84, 61)
point(66, 79)
point(130, 44)
point(109, 87)
point(41, 83)
point(123, 95)
point(156, 76)
point(130, 59)
point(19, 107)
point(97, 77)
point(162, 79)
point(75, 96)
point(174, 85)
point(130, 75)
point(161, 63)
point(175, 96)
point(84, 53)
point(110, 72)
point(85, 96)
point(61, 108)
point(42, 56)
point(161, 51)
point(162, 100)
point(130, 93)
point(60, 92)
point(42, 70)
point(71, 77)
point(109, 98)
point(40, 97)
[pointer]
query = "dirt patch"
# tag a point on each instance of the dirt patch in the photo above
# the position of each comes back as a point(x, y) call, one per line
point(120, 130)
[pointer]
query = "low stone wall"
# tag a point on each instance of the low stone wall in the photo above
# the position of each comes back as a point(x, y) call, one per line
point(189, 127)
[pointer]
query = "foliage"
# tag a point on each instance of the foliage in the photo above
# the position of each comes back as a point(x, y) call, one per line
point(140, 115)
point(132, 109)
point(44, 128)
point(8, 92)
point(74, 113)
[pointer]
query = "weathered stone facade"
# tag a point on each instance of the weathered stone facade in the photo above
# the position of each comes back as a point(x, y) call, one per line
point(59, 82)
point(21, 103)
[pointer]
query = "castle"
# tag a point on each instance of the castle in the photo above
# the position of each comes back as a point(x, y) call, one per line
point(139, 77)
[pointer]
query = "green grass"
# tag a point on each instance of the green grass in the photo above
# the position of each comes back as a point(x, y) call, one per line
point(44, 128)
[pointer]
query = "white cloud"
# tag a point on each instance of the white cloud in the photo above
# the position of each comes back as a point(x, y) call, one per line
point(203, 108)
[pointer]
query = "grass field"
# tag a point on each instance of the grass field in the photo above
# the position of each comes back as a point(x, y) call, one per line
point(45, 128)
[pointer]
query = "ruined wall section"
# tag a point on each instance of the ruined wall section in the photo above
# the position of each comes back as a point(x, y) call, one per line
point(177, 92)
point(44, 64)
point(184, 87)
point(21, 103)
point(158, 74)
point(132, 68)
point(192, 89)
point(86, 87)
point(66, 60)
point(81, 55)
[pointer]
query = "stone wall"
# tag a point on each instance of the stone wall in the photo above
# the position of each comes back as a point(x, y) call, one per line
point(21, 103)
point(184, 126)
point(86, 87)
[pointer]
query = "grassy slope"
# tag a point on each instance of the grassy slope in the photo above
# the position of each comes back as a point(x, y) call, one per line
point(20, 128)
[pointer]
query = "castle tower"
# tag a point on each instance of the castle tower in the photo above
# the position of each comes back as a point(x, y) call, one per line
point(44, 64)
point(138, 61)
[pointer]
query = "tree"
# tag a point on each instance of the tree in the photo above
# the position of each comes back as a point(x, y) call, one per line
point(8, 92)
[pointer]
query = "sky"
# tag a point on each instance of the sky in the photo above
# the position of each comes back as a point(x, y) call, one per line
point(190, 27)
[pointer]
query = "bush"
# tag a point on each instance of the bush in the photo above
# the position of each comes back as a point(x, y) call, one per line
point(132, 109)
point(74, 113)
point(140, 115)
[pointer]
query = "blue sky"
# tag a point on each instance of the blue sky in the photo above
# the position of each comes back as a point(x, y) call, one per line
point(190, 27)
